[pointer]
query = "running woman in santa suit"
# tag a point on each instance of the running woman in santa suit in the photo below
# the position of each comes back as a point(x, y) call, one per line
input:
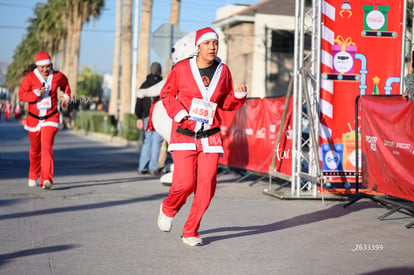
point(40, 89)
point(193, 92)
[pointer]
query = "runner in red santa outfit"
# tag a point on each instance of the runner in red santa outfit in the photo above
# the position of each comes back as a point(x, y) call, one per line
point(17, 111)
point(40, 89)
point(8, 110)
point(193, 92)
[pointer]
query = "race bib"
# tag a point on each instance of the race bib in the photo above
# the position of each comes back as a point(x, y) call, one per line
point(45, 103)
point(202, 111)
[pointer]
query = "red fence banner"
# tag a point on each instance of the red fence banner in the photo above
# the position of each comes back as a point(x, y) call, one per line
point(250, 135)
point(361, 55)
point(387, 132)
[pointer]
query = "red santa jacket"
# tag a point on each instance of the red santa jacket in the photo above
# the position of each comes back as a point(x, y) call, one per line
point(42, 110)
point(183, 84)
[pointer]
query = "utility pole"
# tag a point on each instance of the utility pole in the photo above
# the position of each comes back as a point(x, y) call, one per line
point(126, 59)
point(114, 104)
point(134, 57)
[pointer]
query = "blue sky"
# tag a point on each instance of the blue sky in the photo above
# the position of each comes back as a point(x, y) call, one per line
point(98, 36)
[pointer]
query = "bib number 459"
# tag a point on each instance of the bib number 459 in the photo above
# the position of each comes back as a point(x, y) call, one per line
point(202, 111)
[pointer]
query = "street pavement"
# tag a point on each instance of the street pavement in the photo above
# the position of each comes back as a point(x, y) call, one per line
point(100, 218)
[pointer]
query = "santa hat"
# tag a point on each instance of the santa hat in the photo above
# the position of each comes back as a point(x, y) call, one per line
point(205, 34)
point(43, 58)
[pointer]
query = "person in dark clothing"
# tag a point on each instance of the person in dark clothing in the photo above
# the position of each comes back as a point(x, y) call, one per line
point(150, 149)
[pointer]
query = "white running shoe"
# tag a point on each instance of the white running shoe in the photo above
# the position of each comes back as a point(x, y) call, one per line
point(47, 184)
point(32, 183)
point(193, 241)
point(164, 222)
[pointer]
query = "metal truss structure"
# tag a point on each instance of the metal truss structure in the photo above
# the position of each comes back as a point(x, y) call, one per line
point(306, 172)
point(307, 176)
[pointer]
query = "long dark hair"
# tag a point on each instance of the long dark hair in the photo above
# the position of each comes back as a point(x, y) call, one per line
point(29, 68)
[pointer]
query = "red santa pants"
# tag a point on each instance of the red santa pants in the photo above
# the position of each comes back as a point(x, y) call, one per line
point(41, 154)
point(194, 171)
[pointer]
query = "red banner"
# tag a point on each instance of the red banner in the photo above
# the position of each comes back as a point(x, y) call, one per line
point(361, 55)
point(387, 134)
point(250, 134)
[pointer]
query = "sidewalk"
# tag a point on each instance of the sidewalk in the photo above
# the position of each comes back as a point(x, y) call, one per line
point(100, 218)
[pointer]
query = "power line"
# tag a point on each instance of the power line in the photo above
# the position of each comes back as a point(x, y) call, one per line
point(12, 27)
point(16, 5)
point(107, 31)
point(86, 30)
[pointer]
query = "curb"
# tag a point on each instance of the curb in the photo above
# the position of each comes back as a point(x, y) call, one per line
point(108, 138)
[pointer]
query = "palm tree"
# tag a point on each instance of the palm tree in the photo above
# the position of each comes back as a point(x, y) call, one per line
point(42, 34)
point(56, 24)
point(77, 12)
point(48, 26)
point(116, 69)
point(90, 83)
point(174, 20)
point(144, 41)
point(175, 12)
point(125, 104)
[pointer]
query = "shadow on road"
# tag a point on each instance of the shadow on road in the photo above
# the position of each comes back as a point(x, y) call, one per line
point(333, 212)
point(74, 154)
point(89, 183)
point(82, 207)
point(34, 251)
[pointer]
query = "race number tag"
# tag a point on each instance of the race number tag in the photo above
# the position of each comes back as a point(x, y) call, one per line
point(45, 103)
point(202, 111)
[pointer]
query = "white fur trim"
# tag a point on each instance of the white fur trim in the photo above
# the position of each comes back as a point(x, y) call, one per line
point(40, 125)
point(207, 36)
point(48, 83)
point(207, 93)
point(152, 91)
point(239, 95)
point(211, 149)
point(43, 62)
point(50, 123)
point(214, 149)
point(32, 129)
point(36, 92)
point(180, 115)
point(181, 146)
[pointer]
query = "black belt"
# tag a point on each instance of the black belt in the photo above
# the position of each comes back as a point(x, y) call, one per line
point(43, 117)
point(199, 134)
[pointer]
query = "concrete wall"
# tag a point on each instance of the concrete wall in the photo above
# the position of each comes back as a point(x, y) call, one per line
point(246, 49)
point(275, 63)
point(239, 55)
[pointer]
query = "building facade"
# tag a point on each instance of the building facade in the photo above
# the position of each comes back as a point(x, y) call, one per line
point(257, 43)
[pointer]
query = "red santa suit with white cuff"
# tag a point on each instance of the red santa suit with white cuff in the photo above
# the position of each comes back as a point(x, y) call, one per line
point(195, 158)
point(42, 120)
